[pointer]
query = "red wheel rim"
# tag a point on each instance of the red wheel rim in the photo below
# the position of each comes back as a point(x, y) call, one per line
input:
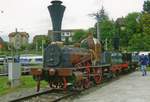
point(97, 75)
point(65, 83)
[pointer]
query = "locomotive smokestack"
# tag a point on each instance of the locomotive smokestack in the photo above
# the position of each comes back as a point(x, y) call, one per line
point(56, 11)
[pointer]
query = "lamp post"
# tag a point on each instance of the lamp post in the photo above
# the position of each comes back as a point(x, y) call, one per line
point(116, 39)
point(98, 26)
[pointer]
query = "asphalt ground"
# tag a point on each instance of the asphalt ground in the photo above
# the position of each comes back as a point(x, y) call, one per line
point(131, 88)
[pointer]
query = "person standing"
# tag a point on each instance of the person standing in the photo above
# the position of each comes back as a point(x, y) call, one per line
point(143, 63)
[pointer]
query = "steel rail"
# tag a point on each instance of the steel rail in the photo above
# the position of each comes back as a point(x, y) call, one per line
point(32, 95)
point(67, 94)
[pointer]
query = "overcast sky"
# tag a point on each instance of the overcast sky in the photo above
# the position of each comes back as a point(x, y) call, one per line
point(33, 17)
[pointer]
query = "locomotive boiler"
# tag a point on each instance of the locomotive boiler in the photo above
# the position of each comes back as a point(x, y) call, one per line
point(55, 56)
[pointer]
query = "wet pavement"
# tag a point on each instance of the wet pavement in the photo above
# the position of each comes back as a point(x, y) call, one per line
point(131, 88)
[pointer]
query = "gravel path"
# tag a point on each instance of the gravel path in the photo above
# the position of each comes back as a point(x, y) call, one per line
point(131, 88)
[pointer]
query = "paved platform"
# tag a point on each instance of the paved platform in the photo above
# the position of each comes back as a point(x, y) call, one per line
point(131, 88)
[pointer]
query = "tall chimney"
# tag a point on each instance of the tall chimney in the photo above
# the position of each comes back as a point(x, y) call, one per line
point(56, 11)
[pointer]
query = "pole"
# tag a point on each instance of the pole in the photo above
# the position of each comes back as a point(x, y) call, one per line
point(98, 27)
point(106, 44)
point(36, 46)
point(42, 47)
point(98, 31)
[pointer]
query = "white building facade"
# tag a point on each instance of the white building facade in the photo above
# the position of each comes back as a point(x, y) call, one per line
point(66, 33)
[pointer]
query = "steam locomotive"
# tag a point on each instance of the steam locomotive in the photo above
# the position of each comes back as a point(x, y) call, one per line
point(78, 67)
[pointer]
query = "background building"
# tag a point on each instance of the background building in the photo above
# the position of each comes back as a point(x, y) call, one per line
point(21, 38)
point(66, 33)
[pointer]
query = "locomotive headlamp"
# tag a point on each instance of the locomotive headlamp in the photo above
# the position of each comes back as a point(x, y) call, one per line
point(52, 71)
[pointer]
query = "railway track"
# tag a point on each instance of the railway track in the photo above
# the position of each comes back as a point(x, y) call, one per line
point(55, 95)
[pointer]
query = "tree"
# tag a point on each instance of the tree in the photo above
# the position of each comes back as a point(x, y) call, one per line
point(103, 15)
point(79, 35)
point(107, 29)
point(146, 23)
point(93, 31)
point(139, 43)
point(39, 41)
point(131, 23)
point(146, 6)
point(140, 40)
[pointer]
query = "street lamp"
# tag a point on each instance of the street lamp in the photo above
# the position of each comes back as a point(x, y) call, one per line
point(116, 39)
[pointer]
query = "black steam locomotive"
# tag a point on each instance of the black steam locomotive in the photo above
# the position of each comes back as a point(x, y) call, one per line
point(76, 67)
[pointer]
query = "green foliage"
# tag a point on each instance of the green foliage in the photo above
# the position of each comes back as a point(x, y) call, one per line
point(106, 26)
point(139, 43)
point(107, 32)
point(146, 23)
point(103, 15)
point(93, 31)
point(79, 35)
point(26, 82)
point(146, 6)
point(136, 44)
point(39, 41)
point(106, 29)
point(133, 30)
point(131, 23)
point(130, 34)
point(66, 41)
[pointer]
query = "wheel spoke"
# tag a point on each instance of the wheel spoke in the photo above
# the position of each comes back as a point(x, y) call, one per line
point(97, 75)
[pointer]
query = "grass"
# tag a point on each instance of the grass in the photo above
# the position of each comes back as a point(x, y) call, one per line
point(148, 68)
point(26, 82)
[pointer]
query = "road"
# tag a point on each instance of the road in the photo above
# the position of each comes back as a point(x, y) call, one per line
point(131, 88)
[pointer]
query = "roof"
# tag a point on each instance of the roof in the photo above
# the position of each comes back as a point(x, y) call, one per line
point(21, 33)
point(66, 30)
